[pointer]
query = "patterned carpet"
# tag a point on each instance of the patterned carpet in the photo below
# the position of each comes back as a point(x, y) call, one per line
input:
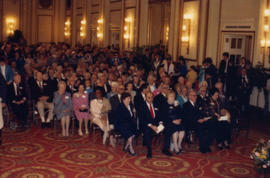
point(42, 153)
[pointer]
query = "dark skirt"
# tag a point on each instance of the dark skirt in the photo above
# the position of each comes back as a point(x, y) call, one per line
point(223, 131)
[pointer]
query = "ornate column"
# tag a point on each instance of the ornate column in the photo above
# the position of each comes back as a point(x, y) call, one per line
point(174, 30)
point(143, 23)
point(33, 22)
point(204, 14)
point(88, 20)
point(73, 22)
point(61, 20)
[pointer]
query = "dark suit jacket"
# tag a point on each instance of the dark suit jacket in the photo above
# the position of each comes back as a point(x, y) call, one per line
point(3, 88)
point(71, 90)
point(170, 113)
point(36, 92)
point(146, 117)
point(191, 115)
point(159, 101)
point(114, 101)
point(138, 100)
point(124, 122)
point(20, 91)
point(222, 67)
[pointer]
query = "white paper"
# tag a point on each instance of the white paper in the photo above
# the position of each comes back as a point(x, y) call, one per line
point(224, 118)
point(160, 128)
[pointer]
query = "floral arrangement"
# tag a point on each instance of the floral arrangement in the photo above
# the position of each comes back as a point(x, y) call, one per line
point(261, 155)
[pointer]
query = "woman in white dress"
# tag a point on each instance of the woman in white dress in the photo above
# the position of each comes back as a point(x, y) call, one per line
point(99, 109)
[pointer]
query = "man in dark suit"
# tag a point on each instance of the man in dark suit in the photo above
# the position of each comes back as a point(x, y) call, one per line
point(42, 94)
point(223, 67)
point(139, 100)
point(210, 73)
point(71, 87)
point(149, 116)
point(3, 89)
point(115, 101)
point(6, 71)
point(227, 74)
point(194, 121)
point(18, 101)
point(161, 99)
point(243, 90)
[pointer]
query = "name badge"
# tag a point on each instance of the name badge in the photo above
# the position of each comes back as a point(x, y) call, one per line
point(67, 97)
point(83, 96)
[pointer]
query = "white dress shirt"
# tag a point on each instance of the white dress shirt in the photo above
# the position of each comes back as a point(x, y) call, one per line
point(3, 71)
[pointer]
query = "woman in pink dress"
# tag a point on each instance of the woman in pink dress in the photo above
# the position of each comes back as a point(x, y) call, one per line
point(80, 107)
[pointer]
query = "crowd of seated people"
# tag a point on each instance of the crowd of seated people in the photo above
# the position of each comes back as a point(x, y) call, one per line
point(127, 92)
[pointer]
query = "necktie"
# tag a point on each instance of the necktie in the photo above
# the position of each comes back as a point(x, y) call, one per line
point(40, 86)
point(152, 111)
point(17, 89)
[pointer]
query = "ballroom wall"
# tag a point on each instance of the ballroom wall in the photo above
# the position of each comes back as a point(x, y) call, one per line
point(194, 29)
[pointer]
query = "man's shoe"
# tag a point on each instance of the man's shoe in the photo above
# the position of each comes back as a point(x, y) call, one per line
point(202, 150)
point(48, 125)
point(43, 125)
point(166, 152)
point(219, 146)
point(208, 150)
point(149, 155)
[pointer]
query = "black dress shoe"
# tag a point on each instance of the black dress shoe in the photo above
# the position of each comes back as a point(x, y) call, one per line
point(202, 150)
point(166, 152)
point(149, 155)
point(219, 147)
point(208, 150)
point(48, 125)
point(227, 147)
point(43, 125)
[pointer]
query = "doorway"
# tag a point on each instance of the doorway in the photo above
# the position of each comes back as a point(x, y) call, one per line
point(238, 44)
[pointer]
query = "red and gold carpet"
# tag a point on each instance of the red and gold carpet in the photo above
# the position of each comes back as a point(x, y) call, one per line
point(42, 153)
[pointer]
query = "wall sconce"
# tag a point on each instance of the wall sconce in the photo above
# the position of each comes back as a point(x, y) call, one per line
point(266, 28)
point(186, 29)
point(100, 29)
point(83, 28)
point(67, 29)
point(265, 42)
point(167, 34)
point(266, 12)
point(127, 28)
point(10, 26)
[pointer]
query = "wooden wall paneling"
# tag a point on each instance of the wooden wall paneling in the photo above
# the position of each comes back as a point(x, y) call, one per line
point(1, 19)
point(45, 28)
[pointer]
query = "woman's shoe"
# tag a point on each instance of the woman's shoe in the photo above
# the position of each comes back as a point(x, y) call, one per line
point(80, 133)
point(132, 154)
point(86, 132)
